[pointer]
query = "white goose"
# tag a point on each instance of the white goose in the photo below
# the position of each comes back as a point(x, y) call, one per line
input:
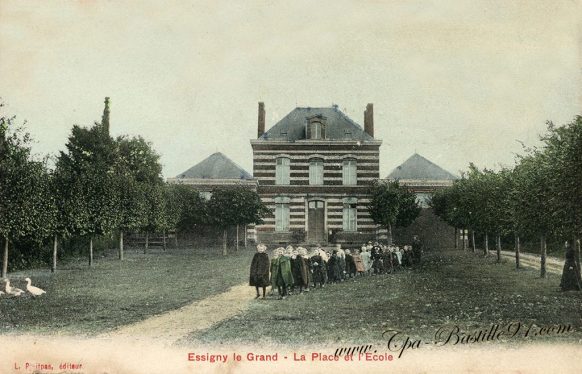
point(35, 291)
point(12, 290)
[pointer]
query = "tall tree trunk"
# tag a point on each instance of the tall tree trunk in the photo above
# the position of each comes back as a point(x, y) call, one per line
point(121, 245)
point(55, 248)
point(517, 249)
point(245, 235)
point(486, 246)
point(543, 256)
point(91, 251)
point(473, 240)
point(464, 240)
point(237, 237)
point(456, 238)
point(498, 248)
point(164, 239)
point(224, 253)
point(147, 242)
point(176, 238)
point(5, 259)
point(576, 248)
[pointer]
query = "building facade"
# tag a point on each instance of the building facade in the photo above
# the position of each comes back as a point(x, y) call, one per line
point(314, 168)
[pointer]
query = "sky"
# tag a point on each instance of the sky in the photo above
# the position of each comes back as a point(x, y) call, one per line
point(456, 81)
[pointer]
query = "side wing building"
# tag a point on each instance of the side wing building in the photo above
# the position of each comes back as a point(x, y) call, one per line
point(424, 177)
point(217, 171)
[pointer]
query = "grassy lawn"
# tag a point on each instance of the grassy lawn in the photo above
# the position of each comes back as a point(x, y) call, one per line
point(83, 300)
point(450, 288)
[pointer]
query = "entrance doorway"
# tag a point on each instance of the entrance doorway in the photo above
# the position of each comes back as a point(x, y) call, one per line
point(316, 221)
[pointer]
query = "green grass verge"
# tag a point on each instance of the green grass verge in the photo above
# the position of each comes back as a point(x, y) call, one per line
point(450, 288)
point(83, 300)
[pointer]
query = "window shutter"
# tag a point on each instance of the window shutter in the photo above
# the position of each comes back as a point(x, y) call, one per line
point(282, 212)
point(286, 217)
point(282, 171)
point(278, 171)
point(349, 173)
point(350, 213)
point(307, 130)
point(278, 217)
point(345, 217)
point(316, 171)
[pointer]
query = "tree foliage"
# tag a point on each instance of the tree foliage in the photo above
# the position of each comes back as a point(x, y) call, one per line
point(27, 205)
point(392, 205)
point(541, 195)
point(235, 206)
point(138, 178)
point(88, 181)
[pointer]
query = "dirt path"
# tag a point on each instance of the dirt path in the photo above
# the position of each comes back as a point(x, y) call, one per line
point(170, 327)
point(553, 264)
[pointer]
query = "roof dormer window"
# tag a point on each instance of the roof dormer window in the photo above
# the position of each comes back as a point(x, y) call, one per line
point(315, 128)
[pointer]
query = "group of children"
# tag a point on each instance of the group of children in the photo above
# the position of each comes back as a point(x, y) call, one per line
point(293, 269)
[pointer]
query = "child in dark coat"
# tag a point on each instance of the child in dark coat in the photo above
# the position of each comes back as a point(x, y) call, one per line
point(284, 278)
point(307, 260)
point(317, 268)
point(333, 268)
point(350, 264)
point(259, 274)
point(300, 271)
point(376, 256)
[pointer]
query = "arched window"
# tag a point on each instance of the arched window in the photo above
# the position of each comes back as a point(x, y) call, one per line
point(349, 172)
point(282, 171)
point(316, 171)
point(282, 213)
point(350, 214)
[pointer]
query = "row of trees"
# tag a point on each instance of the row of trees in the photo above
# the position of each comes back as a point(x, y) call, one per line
point(100, 186)
point(540, 197)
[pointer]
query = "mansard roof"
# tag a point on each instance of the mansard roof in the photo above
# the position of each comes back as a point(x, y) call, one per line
point(419, 168)
point(216, 166)
point(338, 126)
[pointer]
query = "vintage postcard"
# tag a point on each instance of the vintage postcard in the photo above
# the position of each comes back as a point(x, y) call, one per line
point(290, 186)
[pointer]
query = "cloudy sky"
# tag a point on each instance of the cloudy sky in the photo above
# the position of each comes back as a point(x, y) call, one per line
point(456, 81)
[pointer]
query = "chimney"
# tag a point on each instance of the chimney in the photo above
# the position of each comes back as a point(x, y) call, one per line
point(261, 122)
point(105, 118)
point(369, 120)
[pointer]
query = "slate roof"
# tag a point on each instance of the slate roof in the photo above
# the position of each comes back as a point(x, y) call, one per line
point(216, 166)
point(419, 168)
point(338, 126)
